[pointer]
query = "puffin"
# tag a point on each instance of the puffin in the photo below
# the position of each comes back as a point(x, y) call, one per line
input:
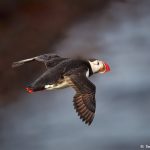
point(69, 72)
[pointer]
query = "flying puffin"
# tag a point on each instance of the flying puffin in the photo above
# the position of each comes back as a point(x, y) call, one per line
point(66, 72)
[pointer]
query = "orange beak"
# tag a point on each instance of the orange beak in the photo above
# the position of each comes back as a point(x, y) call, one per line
point(105, 68)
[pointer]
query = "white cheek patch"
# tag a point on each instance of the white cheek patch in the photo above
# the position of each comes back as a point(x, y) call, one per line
point(94, 67)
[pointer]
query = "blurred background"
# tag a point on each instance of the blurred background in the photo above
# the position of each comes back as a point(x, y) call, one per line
point(117, 31)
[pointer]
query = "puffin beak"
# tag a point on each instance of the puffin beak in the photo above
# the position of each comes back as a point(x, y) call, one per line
point(105, 68)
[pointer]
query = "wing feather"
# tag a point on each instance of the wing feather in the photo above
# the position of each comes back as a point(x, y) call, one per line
point(50, 60)
point(84, 99)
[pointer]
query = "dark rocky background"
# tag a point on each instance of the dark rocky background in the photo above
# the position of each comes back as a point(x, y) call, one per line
point(115, 31)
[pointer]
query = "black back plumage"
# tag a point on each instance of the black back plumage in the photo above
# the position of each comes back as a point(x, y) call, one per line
point(57, 72)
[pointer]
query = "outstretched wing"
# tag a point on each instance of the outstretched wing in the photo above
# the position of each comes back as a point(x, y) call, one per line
point(84, 99)
point(49, 60)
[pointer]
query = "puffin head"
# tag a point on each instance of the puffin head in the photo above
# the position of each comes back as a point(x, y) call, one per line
point(99, 66)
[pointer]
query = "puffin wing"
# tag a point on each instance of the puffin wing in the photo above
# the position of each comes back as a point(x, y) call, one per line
point(84, 99)
point(49, 60)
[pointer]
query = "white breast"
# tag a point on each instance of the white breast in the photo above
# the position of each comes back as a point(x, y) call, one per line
point(57, 86)
point(87, 73)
